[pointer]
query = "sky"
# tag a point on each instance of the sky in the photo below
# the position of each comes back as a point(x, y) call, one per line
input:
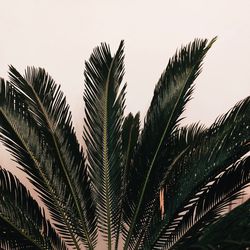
point(59, 35)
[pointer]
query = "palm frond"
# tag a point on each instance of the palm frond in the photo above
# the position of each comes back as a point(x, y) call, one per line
point(17, 127)
point(231, 232)
point(34, 107)
point(171, 94)
point(23, 224)
point(180, 143)
point(212, 201)
point(130, 133)
point(104, 116)
point(225, 142)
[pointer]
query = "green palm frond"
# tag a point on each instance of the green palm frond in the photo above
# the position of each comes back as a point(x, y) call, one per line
point(219, 146)
point(104, 116)
point(225, 142)
point(23, 224)
point(180, 143)
point(160, 187)
point(130, 134)
point(171, 94)
point(231, 232)
point(212, 201)
point(34, 107)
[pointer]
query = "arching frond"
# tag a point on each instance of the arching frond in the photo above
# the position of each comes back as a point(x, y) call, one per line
point(104, 116)
point(212, 201)
point(130, 134)
point(34, 107)
point(231, 232)
point(171, 94)
point(22, 222)
point(225, 142)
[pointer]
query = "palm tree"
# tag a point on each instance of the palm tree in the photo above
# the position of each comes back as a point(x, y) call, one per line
point(162, 186)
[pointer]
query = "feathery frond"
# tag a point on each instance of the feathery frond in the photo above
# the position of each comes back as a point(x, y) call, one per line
point(231, 232)
point(212, 201)
point(130, 134)
point(160, 187)
point(221, 145)
point(23, 224)
point(104, 108)
point(171, 94)
point(34, 107)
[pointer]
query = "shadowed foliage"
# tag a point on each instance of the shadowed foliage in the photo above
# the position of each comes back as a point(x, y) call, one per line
point(156, 186)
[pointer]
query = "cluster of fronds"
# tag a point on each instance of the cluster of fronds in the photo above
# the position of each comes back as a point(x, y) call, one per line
point(158, 187)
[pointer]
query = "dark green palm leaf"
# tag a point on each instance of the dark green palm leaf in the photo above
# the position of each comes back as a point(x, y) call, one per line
point(180, 144)
point(172, 92)
point(212, 201)
point(104, 116)
point(130, 133)
point(220, 146)
point(17, 127)
point(231, 232)
point(42, 114)
point(181, 141)
point(23, 224)
point(128, 176)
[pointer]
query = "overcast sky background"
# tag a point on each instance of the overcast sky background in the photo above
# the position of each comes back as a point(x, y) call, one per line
point(59, 35)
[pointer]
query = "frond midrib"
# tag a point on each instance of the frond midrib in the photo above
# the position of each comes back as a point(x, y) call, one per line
point(105, 154)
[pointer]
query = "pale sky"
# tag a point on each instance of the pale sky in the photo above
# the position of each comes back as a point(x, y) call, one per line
point(59, 35)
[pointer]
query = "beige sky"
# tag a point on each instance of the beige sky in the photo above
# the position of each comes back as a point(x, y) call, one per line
point(59, 35)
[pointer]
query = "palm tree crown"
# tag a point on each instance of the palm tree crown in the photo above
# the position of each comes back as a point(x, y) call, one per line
point(163, 186)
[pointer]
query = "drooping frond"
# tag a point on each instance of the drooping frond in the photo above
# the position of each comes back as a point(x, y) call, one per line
point(225, 142)
point(205, 207)
point(231, 232)
point(22, 223)
point(34, 107)
point(171, 94)
point(104, 106)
